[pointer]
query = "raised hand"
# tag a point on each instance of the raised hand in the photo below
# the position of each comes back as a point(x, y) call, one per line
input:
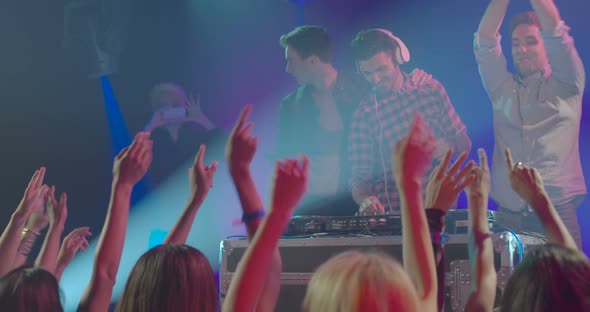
point(133, 161)
point(193, 106)
point(241, 145)
point(413, 154)
point(290, 184)
point(128, 168)
point(38, 220)
point(156, 121)
point(56, 212)
point(261, 265)
point(419, 77)
point(480, 185)
point(525, 181)
point(195, 112)
point(75, 241)
point(444, 186)
point(480, 247)
point(11, 236)
point(412, 158)
point(200, 175)
point(33, 193)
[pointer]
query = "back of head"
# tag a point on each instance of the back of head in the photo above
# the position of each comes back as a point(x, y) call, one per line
point(170, 278)
point(526, 18)
point(309, 40)
point(359, 281)
point(29, 290)
point(370, 42)
point(550, 278)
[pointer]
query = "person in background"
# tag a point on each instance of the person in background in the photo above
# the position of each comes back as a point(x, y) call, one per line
point(178, 127)
point(384, 117)
point(315, 118)
point(536, 110)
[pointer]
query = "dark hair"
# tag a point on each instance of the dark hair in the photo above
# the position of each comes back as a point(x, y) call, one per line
point(170, 278)
point(29, 289)
point(550, 277)
point(527, 18)
point(309, 40)
point(370, 42)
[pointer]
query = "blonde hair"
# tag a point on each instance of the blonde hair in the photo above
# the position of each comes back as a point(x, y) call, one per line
point(360, 281)
point(165, 89)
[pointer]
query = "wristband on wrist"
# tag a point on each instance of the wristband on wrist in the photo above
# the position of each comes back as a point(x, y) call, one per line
point(27, 240)
point(439, 238)
point(479, 238)
point(26, 231)
point(253, 216)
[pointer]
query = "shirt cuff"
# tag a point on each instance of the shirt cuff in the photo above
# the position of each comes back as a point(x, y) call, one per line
point(486, 43)
point(559, 31)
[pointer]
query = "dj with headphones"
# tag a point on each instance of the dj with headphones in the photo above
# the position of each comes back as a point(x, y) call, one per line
point(384, 117)
point(314, 119)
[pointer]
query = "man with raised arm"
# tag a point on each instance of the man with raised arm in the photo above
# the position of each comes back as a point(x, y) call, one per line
point(537, 109)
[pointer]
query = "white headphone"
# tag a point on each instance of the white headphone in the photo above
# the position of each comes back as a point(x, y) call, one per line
point(401, 53)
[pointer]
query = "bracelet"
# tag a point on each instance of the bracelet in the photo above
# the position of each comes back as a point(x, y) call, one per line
point(28, 238)
point(439, 238)
point(479, 238)
point(253, 216)
point(26, 231)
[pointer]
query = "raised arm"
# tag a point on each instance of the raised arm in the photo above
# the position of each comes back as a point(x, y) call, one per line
point(70, 246)
point(201, 181)
point(445, 185)
point(129, 167)
point(481, 249)
point(196, 114)
point(10, 239)
point(57, 213)
point(566, 64)
point(442, 191)
point(492, 19)
point(488, 51)
point(411, 160)
point(528, 184)
point(547, 12)
point(36, 223)
point(240, 150)
point(289, 187)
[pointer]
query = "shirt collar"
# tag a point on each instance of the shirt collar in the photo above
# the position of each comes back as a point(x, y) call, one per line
point(307, 89)
point(406, 88)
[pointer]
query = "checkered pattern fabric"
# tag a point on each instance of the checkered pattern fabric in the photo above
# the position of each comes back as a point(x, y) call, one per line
point(383, 119)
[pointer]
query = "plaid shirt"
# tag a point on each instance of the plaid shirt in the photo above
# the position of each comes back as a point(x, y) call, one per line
point(382, 120)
